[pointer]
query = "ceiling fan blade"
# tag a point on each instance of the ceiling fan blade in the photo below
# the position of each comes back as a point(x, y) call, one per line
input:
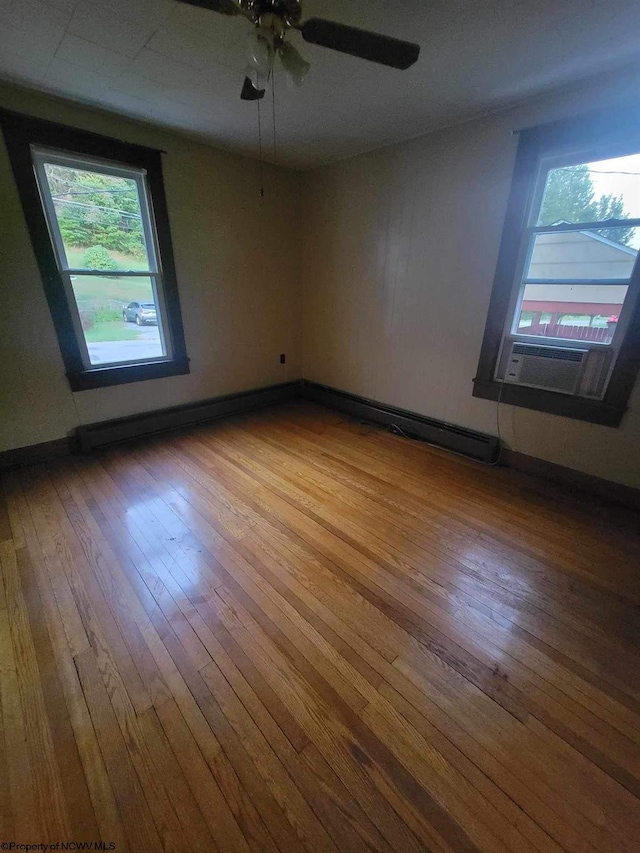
point(250, 92)
point(372, 46)
point(224, 7)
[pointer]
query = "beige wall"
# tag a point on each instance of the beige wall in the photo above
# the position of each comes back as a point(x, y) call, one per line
point(398, 261)
point(237, 275)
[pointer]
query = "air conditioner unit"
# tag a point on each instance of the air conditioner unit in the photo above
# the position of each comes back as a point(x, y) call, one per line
point(567, 370)
point(552, 368)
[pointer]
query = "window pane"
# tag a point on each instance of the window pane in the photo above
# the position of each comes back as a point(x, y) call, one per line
point(575, 284)
point(586, 312)
point(584, 255)
point(100, 219)
point(119, 318)
point(590, 192)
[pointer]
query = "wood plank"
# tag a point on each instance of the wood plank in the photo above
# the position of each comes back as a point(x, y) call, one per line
point(386, 540)
point(5, 522)
point(31, 687)
point(292, 631)
point(345, 821)
point(6, 810)
point(269, 764)
point(138, 823)
point(59, 540)
point(123, 603)
point(623, 775)
point(105, 808)
point(215, 809)
point(332, 721)
point(65, 749)
point(161, 641)
point(406, 508)
point(24, 814)
point(183, 824)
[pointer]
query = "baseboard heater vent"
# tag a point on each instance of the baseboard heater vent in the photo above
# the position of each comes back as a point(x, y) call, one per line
point(477, 445)
point(161, 420)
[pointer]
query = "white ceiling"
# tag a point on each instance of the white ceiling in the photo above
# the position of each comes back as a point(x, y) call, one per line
point(182, 67)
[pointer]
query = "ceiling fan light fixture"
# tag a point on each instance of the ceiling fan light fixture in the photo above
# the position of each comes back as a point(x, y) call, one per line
point(260, 58)
point(250, 92)
point(272, 19)
point(295, 67)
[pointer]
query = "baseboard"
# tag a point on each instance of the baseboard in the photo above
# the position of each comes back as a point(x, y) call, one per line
point(576, 482)
point(477, 445)
point(189, 414)
point(474, 444)
point(34, 453)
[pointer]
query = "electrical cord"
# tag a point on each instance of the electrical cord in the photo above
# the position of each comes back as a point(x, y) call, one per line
point(498, 458)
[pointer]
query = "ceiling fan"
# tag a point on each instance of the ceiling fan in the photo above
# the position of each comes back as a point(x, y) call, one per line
point(272, 19)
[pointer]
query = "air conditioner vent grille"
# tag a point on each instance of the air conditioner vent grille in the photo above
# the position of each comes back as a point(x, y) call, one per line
point(566, 370)
point(548, 373)
point(538, 366)
point(554, 353)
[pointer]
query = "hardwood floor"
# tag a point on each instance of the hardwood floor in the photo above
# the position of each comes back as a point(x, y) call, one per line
point(295, 632)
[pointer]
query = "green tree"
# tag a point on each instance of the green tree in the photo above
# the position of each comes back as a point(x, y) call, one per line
point(98, 258)
point(570, 197)
point(97, 210)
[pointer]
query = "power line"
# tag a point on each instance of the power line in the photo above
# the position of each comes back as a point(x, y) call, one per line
point(97, 207)
point(595, 171)
point(89, 192)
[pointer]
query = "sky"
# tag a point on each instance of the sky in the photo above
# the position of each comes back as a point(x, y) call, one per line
point(620, 177)
point(610, 176)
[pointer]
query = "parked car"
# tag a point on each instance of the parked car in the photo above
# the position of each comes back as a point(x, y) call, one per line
point(140, 313)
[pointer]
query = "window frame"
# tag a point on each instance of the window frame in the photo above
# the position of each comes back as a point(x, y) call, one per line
point(612, 133)
point(532, 230)
point(25, 137)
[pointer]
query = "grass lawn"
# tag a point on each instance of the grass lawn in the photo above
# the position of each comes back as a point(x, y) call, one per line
point(94, 291)
point(75, 258)
point(110, 331)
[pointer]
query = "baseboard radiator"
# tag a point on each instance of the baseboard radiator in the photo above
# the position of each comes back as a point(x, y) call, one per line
point(161, 420)
point(477, 445)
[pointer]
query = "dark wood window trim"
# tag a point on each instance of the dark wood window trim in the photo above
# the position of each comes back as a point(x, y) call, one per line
point(20, 133)
point(611, 127)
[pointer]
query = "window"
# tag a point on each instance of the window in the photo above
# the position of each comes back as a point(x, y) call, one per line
point(562, 333)
point(576, 277)
point(97, 217)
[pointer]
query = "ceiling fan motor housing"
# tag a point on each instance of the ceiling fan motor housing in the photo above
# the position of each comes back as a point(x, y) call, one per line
point(288, 11)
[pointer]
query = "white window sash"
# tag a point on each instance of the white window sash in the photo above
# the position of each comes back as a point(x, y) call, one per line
point(526, 248)
point(41, 157)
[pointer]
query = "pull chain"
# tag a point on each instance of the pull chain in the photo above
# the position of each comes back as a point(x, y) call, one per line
point(273, 111)
point(260, 150)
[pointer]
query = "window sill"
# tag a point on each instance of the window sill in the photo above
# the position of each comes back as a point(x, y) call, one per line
point(566, 405)
point(104, 377)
